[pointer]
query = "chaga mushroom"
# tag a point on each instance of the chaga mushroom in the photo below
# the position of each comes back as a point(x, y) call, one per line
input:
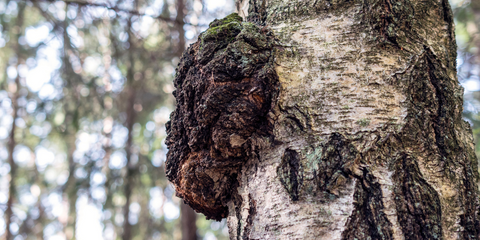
point(225, 86)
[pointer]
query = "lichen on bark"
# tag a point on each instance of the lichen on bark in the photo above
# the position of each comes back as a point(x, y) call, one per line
point(225, 86)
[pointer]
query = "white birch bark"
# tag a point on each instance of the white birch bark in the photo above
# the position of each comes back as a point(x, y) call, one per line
point(338, 74)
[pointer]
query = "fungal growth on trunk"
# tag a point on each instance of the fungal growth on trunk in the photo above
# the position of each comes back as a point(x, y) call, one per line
point(225, 86)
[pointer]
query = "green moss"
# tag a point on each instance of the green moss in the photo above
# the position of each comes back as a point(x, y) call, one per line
point(234, 17)
point(220, 33)
point(225, 31)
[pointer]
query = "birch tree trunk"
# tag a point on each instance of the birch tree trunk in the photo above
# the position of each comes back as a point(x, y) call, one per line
point(363, 137)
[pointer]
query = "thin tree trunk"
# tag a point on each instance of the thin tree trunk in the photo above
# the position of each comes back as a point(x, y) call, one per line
point(15, 90)
point(127, 227)
point(188, 216)
point(363, 139)
point(39, 223)
point(179, 24)
point(39, 234)
point(70, 132)
point(188, 219)
point(13, 166)
point(70, 187)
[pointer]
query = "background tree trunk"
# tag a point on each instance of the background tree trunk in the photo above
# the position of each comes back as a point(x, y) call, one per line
point(188, 219)
point(369, 138)
point(188, 216)
point(130, 166)
point(14, 89)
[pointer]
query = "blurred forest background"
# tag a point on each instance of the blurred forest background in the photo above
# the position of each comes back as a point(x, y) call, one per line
point(85, 93)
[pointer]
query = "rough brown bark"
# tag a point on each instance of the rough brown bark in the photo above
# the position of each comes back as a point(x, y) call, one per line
point(362, 139)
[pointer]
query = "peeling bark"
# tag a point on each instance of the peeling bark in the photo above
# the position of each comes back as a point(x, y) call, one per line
point(363, 139)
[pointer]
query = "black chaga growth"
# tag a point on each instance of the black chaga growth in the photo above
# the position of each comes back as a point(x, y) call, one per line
point(225, 84)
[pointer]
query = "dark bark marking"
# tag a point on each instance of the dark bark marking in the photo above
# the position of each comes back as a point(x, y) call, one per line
point(340, 162)
point(225, 84)
point(257, 11)
point(418, 205)
point(252, 211)
point(390, 19)
point(291, 173)
point(470, 219)
point(238, 201)
point(404, 24)
point(339, 155)
point(296, 122)
point(368, 220)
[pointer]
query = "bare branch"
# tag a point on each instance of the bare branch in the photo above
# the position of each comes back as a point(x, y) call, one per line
point(117, 9)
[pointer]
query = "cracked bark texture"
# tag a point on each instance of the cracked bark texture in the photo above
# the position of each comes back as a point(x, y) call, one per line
point(356, 134)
